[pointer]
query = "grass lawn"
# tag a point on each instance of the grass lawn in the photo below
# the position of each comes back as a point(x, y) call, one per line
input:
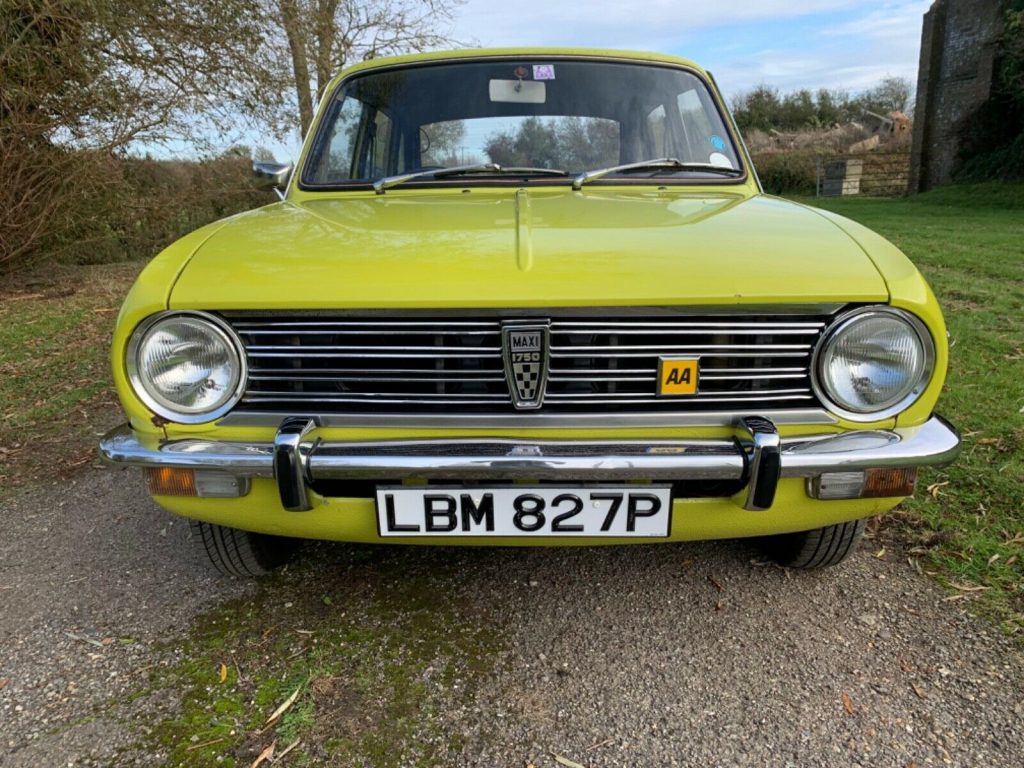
point(55, 391)
point(968, 519)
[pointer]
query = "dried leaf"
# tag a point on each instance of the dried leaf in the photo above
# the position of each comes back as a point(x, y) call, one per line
point(3, 682)
point(847, 703)
point(223, 672)
point(265, 756)
point(287, 749)
point(880, 553)
point(968, 587)
point(283, 708)
point(203, 744)
point(715, 584)
point(933, 489)
point(919, 691)
point(566, 761)
point(84, 639)
point(993, 559)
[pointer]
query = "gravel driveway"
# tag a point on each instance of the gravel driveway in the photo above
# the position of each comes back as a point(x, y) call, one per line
point(647, 656)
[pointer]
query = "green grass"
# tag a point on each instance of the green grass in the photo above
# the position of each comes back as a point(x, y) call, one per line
point(968, 519)
point(54, 371)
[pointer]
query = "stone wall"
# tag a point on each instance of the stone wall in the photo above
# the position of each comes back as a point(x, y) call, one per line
point(958, 50)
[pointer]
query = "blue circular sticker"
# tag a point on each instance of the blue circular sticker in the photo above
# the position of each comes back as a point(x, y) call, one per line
point(718, 142)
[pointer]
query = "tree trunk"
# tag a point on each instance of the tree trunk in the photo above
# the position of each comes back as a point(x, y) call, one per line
point(291, 20)
point(326, 37)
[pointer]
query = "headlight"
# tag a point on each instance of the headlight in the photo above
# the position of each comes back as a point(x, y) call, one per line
point(874, 363)
point(186, 366)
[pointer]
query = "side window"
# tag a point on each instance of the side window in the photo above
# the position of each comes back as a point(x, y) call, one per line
point(695, 118)
point(708, 141)
point(657, 132)
point(364, 144)
point(381, 148)
point(340, 155)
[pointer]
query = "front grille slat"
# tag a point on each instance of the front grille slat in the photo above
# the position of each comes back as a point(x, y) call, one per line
point(430, 365)
point(674, 352)
point(258, 349)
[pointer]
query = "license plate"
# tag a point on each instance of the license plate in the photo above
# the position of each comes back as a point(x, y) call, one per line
point(524, 511)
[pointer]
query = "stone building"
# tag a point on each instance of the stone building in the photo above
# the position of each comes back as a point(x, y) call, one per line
point(958, 53)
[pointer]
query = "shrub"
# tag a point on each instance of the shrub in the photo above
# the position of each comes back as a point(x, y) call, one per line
point(788, 173)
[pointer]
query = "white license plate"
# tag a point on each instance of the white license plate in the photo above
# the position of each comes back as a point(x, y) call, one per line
point(641, 511)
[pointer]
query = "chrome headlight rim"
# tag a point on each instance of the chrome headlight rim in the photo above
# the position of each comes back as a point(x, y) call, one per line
point(219, 328)
point(833, 332)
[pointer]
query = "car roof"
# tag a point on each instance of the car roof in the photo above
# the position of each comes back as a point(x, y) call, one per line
point(531, 52)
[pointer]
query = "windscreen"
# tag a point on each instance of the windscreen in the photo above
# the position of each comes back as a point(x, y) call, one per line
point(560, 116)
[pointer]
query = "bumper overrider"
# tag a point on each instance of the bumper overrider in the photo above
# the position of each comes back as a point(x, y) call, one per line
point(851, 464)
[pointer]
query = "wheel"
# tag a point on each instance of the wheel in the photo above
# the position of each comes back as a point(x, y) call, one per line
point(819, 548)
point(241, 553)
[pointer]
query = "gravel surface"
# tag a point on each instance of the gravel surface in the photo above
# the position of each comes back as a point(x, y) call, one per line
point(697, 655)
point(647, 656)
point(92, 576)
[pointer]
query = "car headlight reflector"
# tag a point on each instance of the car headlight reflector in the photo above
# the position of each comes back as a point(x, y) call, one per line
point(874, 363)
point(186, 366)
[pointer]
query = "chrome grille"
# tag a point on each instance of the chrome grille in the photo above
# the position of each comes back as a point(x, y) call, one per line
point(436, 365)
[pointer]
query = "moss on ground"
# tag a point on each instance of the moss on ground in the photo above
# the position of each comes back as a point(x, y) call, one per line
point(379, 654)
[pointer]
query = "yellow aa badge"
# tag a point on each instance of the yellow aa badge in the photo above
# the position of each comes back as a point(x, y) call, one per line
point(677, 375)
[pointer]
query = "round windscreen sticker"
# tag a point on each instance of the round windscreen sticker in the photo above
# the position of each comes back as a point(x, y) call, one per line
point(720, 160)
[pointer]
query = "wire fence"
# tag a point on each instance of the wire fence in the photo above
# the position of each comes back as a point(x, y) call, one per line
point(875, 174)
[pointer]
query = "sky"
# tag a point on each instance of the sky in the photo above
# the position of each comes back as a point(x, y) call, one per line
point(786, 44)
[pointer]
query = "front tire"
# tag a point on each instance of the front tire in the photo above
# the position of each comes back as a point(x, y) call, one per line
point(241, 553)
point(820, 548)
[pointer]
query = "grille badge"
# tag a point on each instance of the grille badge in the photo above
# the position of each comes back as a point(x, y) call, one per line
point(525, 350)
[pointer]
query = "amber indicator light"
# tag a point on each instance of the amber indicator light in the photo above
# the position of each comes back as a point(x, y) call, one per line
point(884, 483)
point(170, 481)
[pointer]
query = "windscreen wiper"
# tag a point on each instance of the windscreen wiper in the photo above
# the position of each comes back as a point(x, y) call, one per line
point(381, 185)
point(661, 163)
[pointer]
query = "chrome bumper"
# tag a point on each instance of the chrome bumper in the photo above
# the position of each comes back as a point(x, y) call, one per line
point(757, 456)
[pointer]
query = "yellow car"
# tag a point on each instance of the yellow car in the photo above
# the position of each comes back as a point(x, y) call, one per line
point(528, 297)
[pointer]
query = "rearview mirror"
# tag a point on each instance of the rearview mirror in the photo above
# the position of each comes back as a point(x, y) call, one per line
point(271, 175)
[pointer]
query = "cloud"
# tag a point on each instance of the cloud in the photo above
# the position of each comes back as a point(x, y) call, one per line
point(810, 43)
point(891, 23)
point(619, 24)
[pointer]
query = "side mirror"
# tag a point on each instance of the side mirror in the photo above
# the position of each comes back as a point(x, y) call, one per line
point(271, 175)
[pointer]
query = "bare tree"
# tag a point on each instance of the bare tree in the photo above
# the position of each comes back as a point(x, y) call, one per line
point(324, 35)
point(85, 82)
point(84, 79)
point(892, 94)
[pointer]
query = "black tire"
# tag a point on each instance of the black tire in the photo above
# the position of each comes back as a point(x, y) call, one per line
point(241, 553)
point(819, 548)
